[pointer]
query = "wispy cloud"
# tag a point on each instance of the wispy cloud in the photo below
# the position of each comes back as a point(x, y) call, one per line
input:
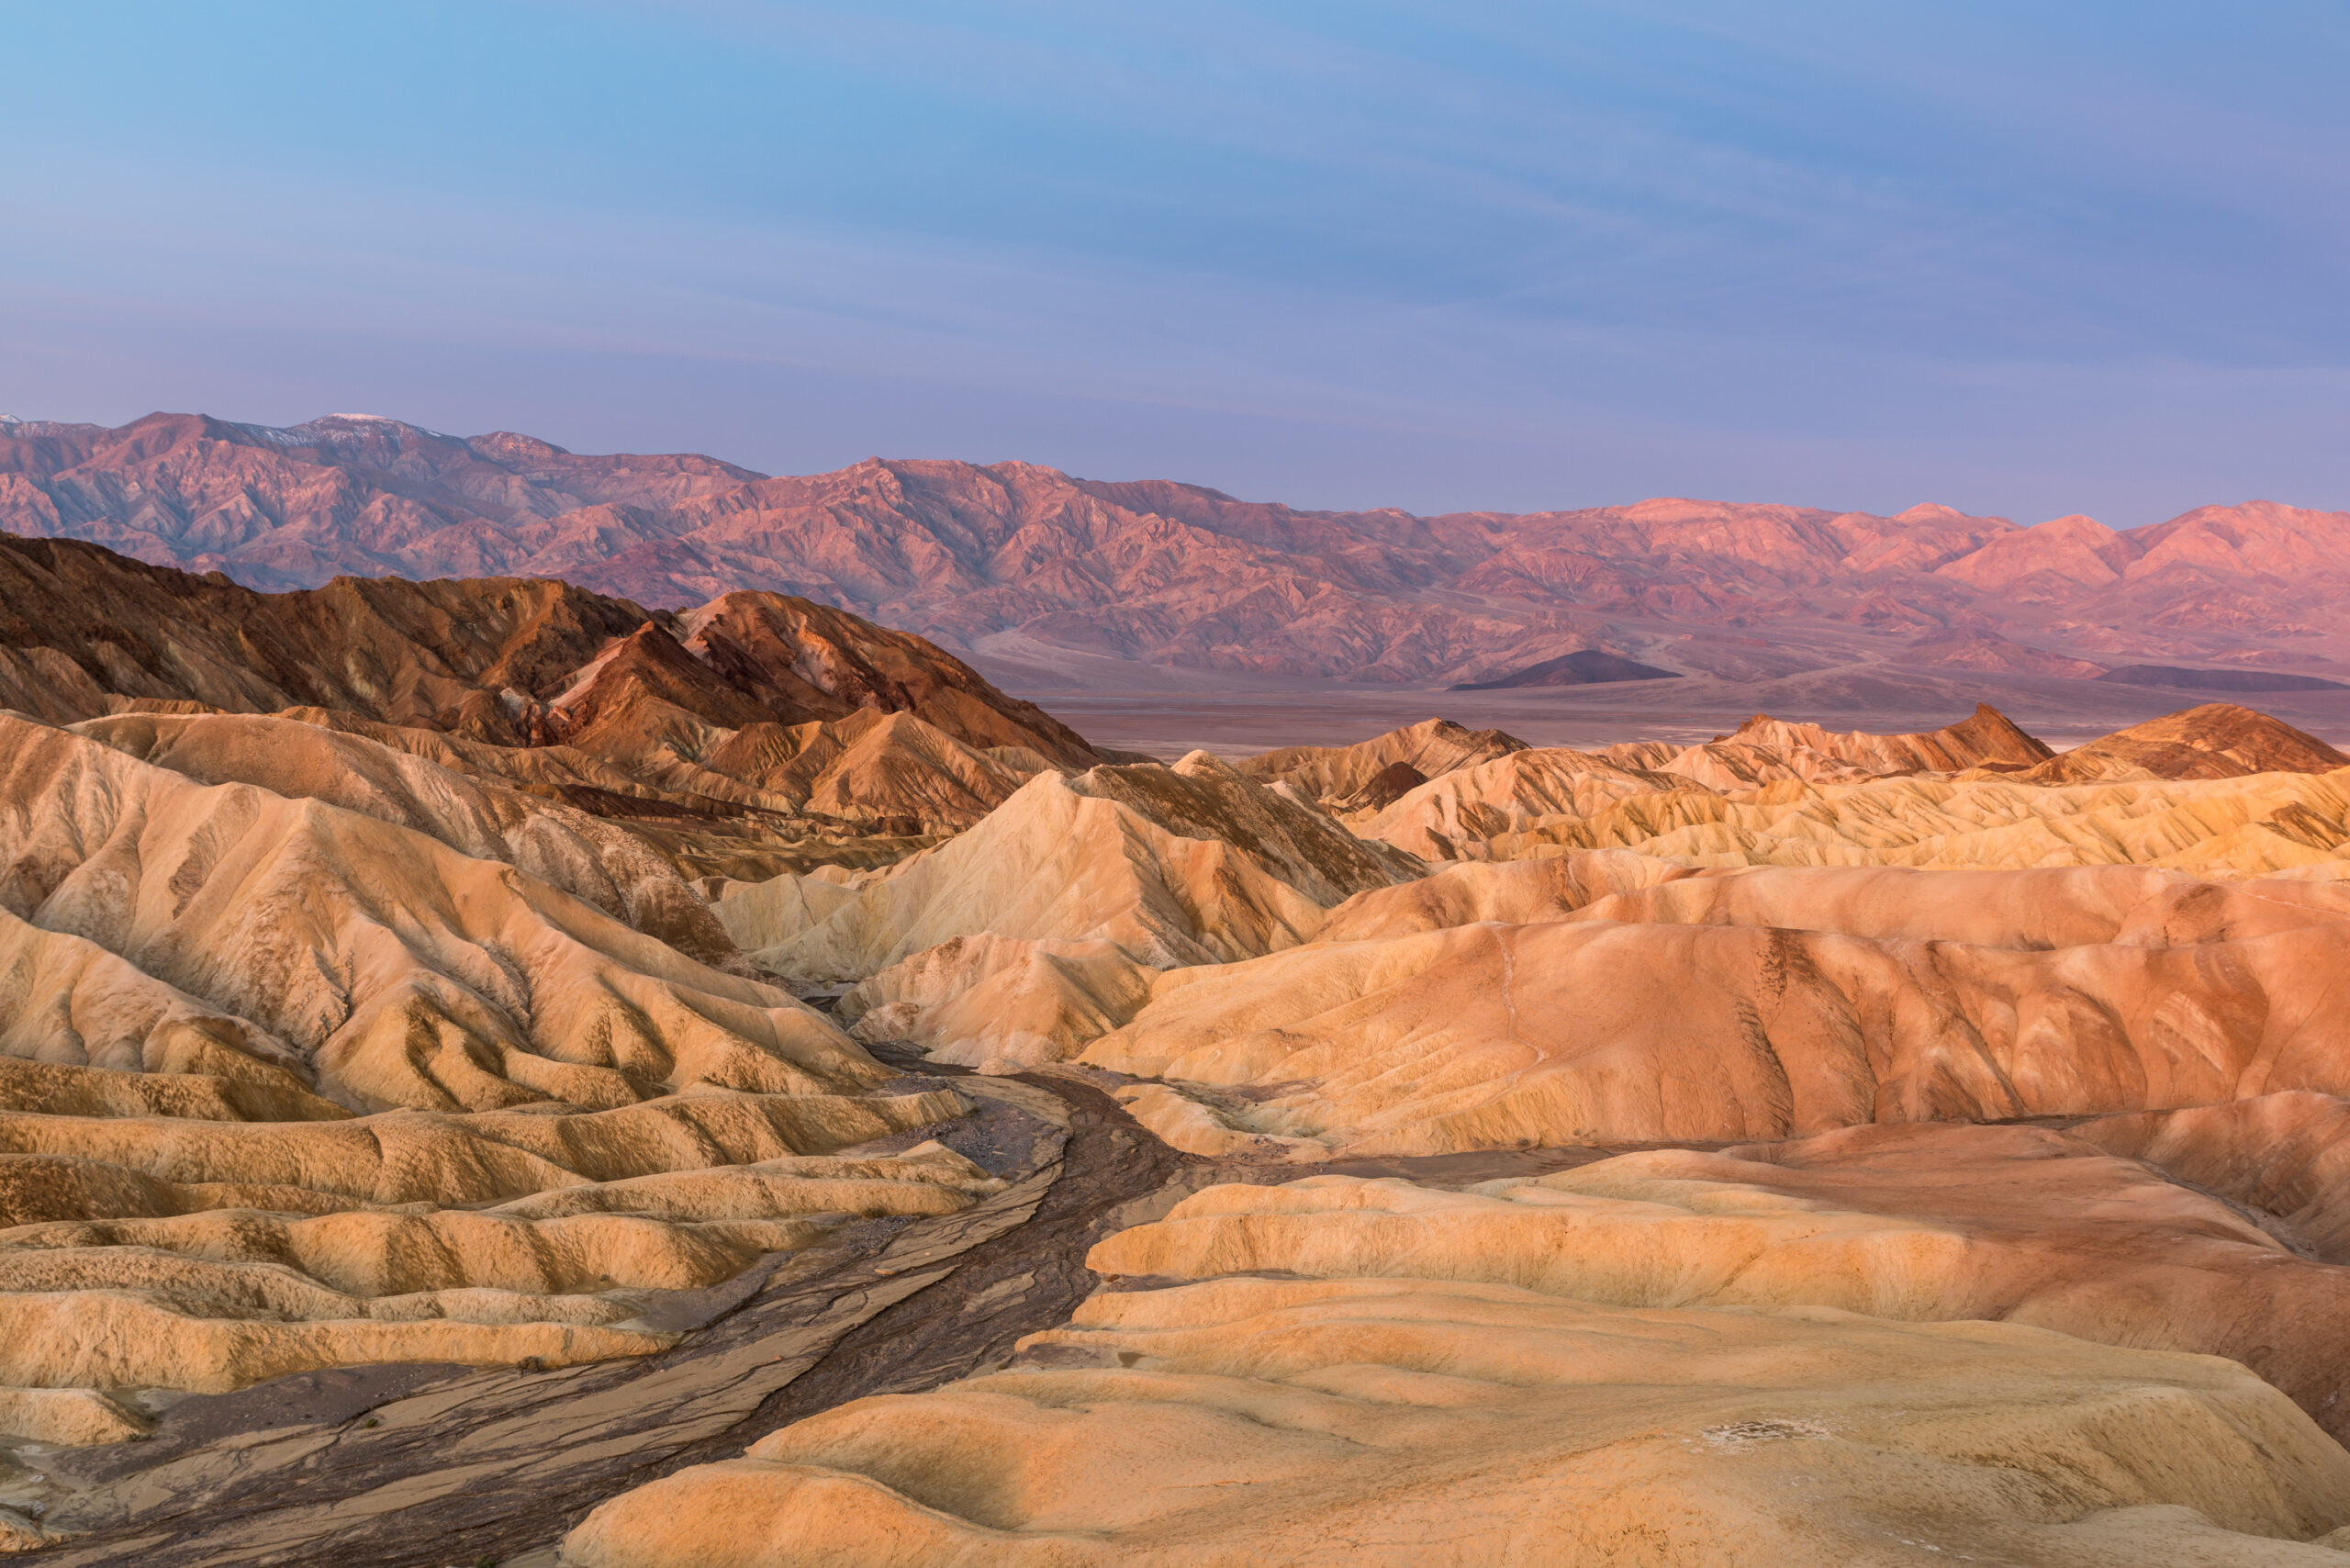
point(2022, 261)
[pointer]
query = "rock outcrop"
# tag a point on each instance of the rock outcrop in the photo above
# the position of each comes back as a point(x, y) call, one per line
point(1984, 738)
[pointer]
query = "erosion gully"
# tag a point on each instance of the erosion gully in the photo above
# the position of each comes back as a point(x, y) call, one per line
point(423, 1466)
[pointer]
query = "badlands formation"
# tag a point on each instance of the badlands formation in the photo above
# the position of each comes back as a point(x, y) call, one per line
point(490, 1071)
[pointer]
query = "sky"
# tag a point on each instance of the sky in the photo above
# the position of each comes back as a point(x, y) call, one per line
point(2022, 259)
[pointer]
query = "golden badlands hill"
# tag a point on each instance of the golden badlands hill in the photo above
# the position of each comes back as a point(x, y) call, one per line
point(291, 1087)
point(1775, 793)
point(1764, 1003)
point(1375, 773)
point(489, 1070)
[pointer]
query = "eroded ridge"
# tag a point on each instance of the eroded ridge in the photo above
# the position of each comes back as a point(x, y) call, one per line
point(289, 1086)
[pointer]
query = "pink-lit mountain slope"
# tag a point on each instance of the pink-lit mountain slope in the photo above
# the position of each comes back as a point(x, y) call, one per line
point(1030, 566)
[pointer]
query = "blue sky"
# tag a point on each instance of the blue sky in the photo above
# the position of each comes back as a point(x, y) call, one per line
point(2023, 259)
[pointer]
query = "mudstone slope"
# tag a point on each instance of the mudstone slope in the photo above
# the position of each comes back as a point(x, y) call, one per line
point(1804, 1145)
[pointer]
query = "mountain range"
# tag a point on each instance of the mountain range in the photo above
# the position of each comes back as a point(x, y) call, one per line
point(1065, 583)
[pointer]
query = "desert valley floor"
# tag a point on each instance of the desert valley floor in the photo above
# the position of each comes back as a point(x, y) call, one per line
point(493, 1072)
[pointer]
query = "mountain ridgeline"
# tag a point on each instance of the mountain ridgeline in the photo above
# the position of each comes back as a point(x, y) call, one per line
point(1021, 562)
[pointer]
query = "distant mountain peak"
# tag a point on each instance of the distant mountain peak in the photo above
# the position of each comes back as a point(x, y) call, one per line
point(1584, 667)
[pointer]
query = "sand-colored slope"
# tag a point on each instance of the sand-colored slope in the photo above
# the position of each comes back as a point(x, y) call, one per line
point(2067, 907)
point(1512, 892)
point(399, 970)
point(147, 1253)
point(2126, 906)
point(1437, 1389)
point(1549, 803)
point(1038, 929)
point(193, 1217)
point(873, 768)
point(220, 1086)
point(690, 820)
point(1984, 738)
point(1193, 864)
point(2055, 992)
point(1730, 765)
point(1338, 775)
point(1977, 794)
point(1927, 1223)
point(592, 859)
point(65, 1000)
point(546, 772)
point(201, 983)
point(1765, 751)
point(1450, 816)
point(2131, 905)
point(999, 1002)
point(178, 1209)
